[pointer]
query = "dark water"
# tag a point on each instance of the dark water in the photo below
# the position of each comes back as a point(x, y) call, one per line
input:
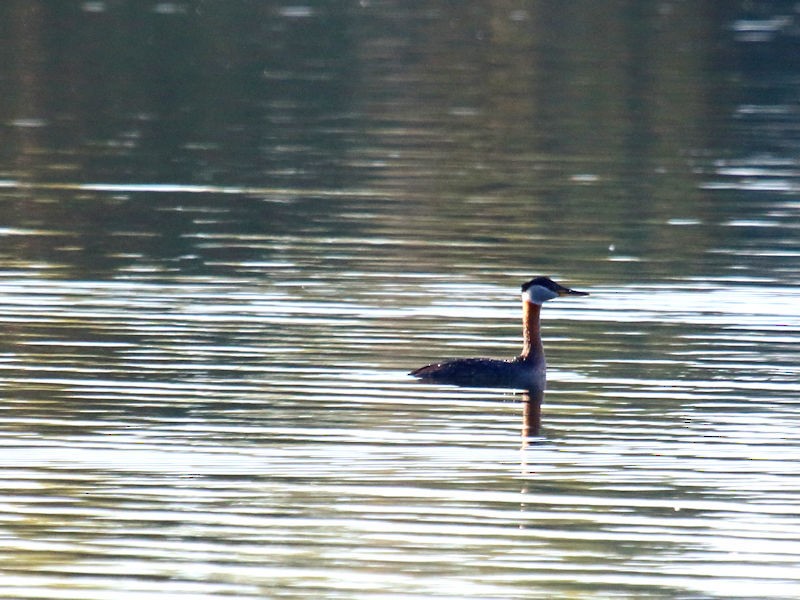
point(229, 230)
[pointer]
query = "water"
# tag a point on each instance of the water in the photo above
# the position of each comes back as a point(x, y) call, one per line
point(219, 260)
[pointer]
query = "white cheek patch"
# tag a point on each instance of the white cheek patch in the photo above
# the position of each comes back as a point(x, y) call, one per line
point(538, 294)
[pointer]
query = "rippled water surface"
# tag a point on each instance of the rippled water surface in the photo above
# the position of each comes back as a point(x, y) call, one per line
point(217, 271)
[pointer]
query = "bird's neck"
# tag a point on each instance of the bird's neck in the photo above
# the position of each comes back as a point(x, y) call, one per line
point(531, 335)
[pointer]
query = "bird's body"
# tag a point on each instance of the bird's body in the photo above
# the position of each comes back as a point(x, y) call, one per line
point(526, 371)
point(520, 373)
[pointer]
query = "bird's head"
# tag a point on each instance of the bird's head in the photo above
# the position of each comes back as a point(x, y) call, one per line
point(542, 289)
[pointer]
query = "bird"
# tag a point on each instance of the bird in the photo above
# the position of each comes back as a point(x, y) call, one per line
point(526, 371)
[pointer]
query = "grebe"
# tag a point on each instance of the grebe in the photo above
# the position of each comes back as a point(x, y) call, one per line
point(526, 371)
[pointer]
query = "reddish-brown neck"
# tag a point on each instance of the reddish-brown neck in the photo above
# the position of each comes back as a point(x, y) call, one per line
point(531, 336)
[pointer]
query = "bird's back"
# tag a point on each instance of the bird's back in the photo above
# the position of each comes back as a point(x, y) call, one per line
point(485, 372)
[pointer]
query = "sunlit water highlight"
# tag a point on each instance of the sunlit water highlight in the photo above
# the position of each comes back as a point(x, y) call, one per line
point(170, 440)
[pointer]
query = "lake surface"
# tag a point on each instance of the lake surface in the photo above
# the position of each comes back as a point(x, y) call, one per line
point(228, 231)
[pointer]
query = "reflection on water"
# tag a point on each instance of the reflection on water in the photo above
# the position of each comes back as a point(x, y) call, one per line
point(531, 415)
point(229, 232)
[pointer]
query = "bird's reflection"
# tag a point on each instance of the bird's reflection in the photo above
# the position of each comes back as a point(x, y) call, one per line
point(531, 400)
point(531, 414)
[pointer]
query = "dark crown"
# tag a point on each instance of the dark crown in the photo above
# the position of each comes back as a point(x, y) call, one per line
point(545, 282)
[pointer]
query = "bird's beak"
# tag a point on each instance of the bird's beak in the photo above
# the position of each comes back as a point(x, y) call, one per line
point(569, 292)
